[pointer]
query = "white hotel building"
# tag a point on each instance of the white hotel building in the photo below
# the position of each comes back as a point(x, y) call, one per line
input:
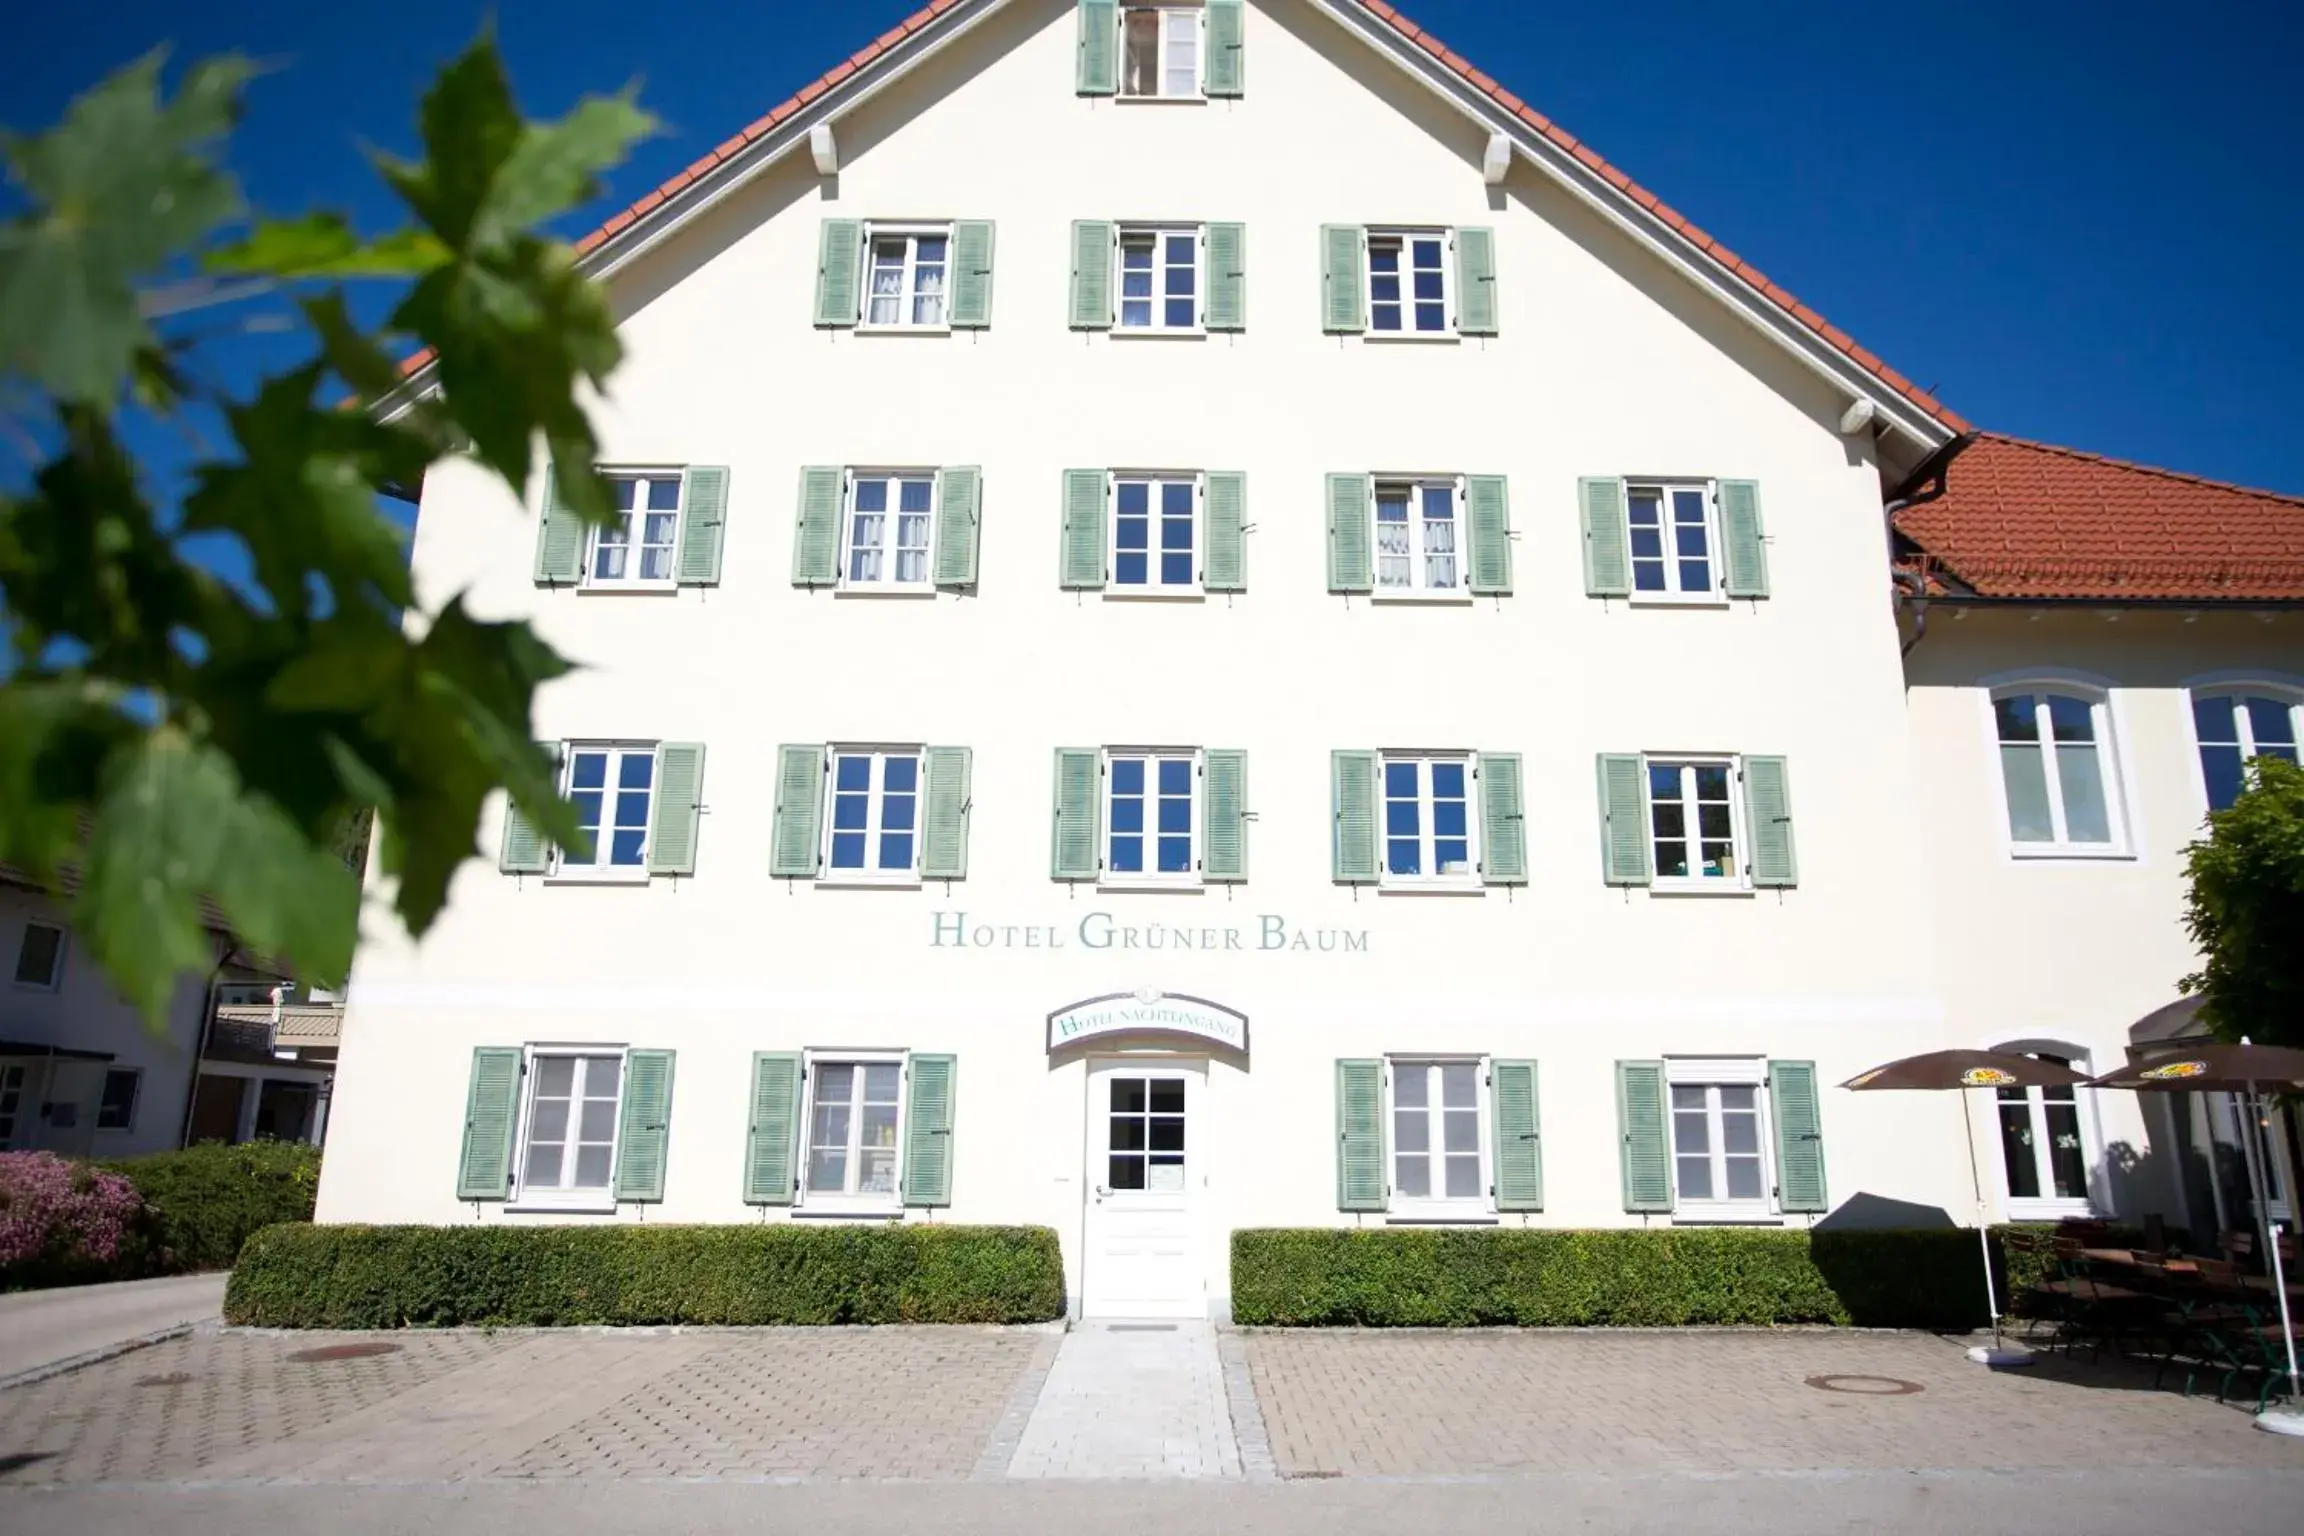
point(1222, 627)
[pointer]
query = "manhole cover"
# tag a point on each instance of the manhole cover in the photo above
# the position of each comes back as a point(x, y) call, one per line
point(172, 1379)
point(1866, 1386)
point(328, 1352)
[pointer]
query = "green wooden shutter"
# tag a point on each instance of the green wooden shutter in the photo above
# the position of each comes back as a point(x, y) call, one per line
point(1351, 555)
point(1799, 1136)
point(525, 850)
point(1079, 814)
point(559, 536)
point(1503, 820)
point(928, 1131)
point(1747, 552)
point(1098, 71)
point(645, 1125)
point(799, 803)
point(1224, 797)
point(1359, 1135)
point(1227, 277)
point(1624, 847)
point(1475, 282)
point(971, 274)
point(1607, 537)
point(768, 1143)
point(944, 816)
point(1352, 801)
point(491, 1111)
point(1647, 1150)
point(1227, 68)
point(1080, 563)
point(1343, 281)
point(1226, 568)
point(1488, 514)
point(816, 537)
point(679, 808)
point(959, 498)
point(1091, 275)
point(703, 525)
point(839, 264)
point(1519, 1137)
point(1768, 815)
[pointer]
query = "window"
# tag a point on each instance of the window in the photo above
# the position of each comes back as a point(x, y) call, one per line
point(907, 271)
point(891, 521)
point(2234, 727)
point(1408, 284)
point(40, 958)
point(1674, 531)
point(636, 550)
point(1417, 537)
point(1160, 52)
point(2054, 769)
point(1428, 822)
point(853, 1108)
point(1160, 280)
point(613, 789)
point(2042, 1149)
point(116, 1109)
point(1437, 1145)
point(1154, 539)
point(873, 831)
point(1692, 822)
point(1152, 812)
point(1145, 1127)
point(569, 1131)
point(1719, 1139)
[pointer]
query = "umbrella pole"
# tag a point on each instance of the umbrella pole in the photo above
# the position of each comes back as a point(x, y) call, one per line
point(1983, 1231)
point(2287, 1422)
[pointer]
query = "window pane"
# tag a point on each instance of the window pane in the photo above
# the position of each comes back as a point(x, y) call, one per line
point(2016, 719)
point(549, 1122)
point(1464, 1177)
point(555, 1075)
point(1413, 1176)
point(589, 771)
point(1167, 1095)
point(1739, 1134)
point(2215, 720)
point(1140, 58)
point(1695, 1177)
point(2220, 767)
point(1128, 775)
point(2071, 719)
point(592, 1165)
point(2016, 1153)
point(2066, 1163)
point(663, 495)
point(1167, 1133)
point(1447, 781)
point(1744, 1178)
point(1411, 1131)
point(1128, 1095)
point(2027, 781)
point(2087, 819)
point(2273, 724)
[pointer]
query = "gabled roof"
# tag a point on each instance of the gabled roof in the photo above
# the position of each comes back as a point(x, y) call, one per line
point(2006, 518)
point(1545, 142)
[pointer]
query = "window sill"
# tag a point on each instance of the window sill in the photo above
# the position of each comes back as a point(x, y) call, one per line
point(628, 589)
point(847, 1213)
point(1725, 1216)
point(1423, 599)
point(1425, 338)
point(902, 330)
point(1114, 594)
point(597, 877)
point(1710, 600)
point(538, 1205)
point(1452, 888)
point(1440, 1218)
point(1156, 333)
point(2021, 1208)
point(1700, 888)
point(1193, 887)
point(923, 589)
point(2027, 853)
point(1159, 101)
point(849, 882)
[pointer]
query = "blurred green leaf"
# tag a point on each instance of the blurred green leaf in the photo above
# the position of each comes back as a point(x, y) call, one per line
point(323, 245)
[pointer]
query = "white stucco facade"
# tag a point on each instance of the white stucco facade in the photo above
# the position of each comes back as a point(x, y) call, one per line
point(1606, 363)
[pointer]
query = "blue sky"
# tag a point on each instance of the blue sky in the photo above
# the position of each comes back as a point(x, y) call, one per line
point(2075, 221)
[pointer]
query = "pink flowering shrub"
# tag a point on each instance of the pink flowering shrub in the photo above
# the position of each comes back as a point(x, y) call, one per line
point(63, 1222)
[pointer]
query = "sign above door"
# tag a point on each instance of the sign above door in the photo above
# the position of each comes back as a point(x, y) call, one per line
point(1148, 1011)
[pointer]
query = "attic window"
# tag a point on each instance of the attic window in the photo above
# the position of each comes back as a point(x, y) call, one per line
point(1160, 52)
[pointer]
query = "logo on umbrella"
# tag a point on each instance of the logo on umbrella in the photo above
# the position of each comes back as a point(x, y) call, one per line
point(2175, 1069)
point(1986, 1077)
point(1867, 1077)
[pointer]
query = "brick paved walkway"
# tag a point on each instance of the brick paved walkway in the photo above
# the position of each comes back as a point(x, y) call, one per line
point(1132, 1400)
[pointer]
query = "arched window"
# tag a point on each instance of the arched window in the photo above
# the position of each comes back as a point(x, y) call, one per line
point(2058, 770)
point(2233, 725)
point(2047, 1140)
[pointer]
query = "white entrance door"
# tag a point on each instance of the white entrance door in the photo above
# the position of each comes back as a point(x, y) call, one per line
point(1142, 1254)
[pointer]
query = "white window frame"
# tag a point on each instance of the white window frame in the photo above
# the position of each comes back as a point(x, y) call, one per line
point(1419, 588)
point(1439, 1207)
point(1427, 834)
point(1405, 236)
point(2244, 686)
point(639, 477)
point(1151, 876)
point(2110, 754)
point(1156, 480)
point(16, 1101)
point(526, 1196)
point(600, 872)
point(822, 1202)
point(127, 1122)
point(875, 797)
point(1160, 234)
point(1173, 17)
point(2049, 1207)
point(1714, 1073)
point(54, 981)
point(1675, 595)
point(911, 233)
point(2225, 1116)
point(887, 583)
point(1740, 842)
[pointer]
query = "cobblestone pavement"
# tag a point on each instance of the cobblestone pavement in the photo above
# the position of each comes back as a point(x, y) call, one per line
point(1350, 1403)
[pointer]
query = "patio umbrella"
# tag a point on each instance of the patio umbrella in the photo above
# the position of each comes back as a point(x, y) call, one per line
point(2246, 1070)
point(1943, 1070)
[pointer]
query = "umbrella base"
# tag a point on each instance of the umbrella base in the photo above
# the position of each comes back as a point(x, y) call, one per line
point(2001, 1357)
point(2282, 1419)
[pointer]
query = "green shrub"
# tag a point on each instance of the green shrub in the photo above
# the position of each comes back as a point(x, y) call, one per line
point(1656, 1277)
point(438, 1277)
point(209, 1198)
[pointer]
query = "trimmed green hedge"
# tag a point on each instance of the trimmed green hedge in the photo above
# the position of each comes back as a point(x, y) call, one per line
point(211, 1197)
point(544, 1276)
point(1536, 1277)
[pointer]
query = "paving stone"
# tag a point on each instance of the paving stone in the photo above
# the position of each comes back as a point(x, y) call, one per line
point(1132, 1400)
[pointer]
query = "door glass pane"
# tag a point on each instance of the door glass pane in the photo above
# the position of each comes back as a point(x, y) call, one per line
point(1167, 1096)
